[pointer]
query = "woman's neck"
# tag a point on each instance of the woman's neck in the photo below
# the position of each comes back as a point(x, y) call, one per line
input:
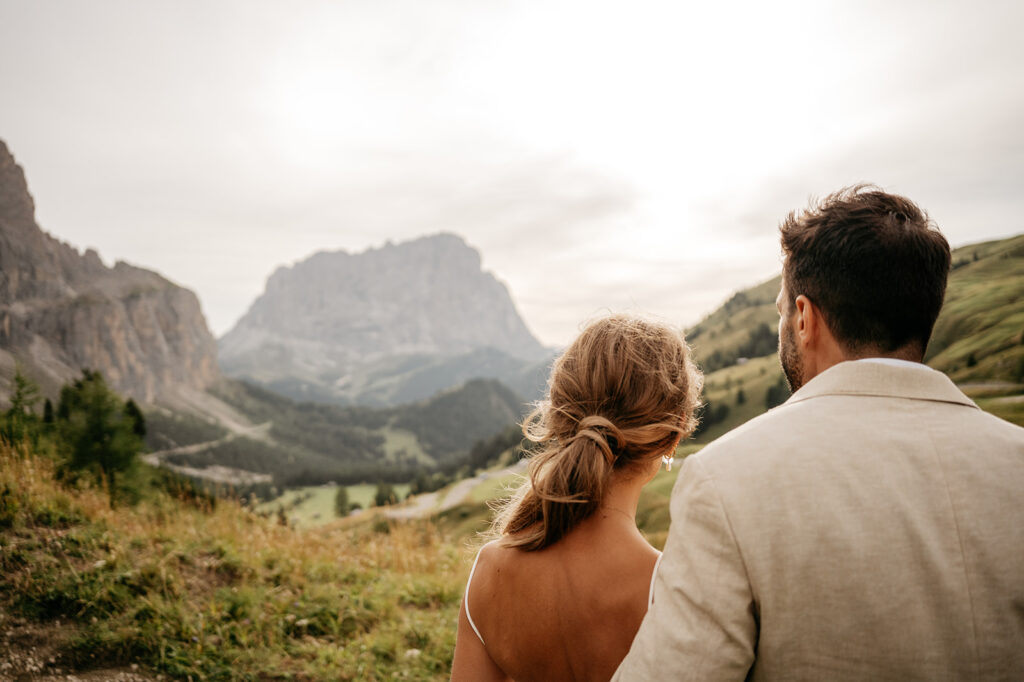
point(623, 495)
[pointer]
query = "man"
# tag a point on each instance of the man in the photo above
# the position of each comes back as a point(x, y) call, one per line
point(870, 528)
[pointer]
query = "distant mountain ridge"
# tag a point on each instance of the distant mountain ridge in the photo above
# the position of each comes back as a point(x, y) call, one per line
point(382, 327)
point(62, 311)
point(312, 443)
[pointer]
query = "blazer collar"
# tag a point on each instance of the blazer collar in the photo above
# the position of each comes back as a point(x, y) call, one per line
point(916, 382)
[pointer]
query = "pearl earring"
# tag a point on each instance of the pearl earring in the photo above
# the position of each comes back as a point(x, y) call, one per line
point(667, 460)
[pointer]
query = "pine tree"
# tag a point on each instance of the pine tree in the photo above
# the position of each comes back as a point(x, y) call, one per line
point(95, 431)
point(341, 506)
point(132, 411)
point(20, 417)
point(385, 495)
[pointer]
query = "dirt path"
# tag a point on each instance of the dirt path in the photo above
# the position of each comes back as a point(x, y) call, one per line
point(216, 473)
point(256, 432)
point(428, 503)
point(421, 505)
point(28, 651)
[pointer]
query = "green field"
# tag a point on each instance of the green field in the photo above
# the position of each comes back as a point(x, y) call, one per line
point(314, 505)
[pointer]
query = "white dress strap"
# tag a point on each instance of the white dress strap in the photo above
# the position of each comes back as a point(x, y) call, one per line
point(465, 599)
point(654, 575)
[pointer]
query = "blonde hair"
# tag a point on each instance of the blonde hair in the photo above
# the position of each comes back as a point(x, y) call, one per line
point(620, 395)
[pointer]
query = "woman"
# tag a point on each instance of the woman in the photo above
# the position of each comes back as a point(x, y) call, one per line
point(561, 592)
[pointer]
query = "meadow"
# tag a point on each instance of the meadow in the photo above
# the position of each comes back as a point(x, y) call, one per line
point(314, 505)
point(221, 593)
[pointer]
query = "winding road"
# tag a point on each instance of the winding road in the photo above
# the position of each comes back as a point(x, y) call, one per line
point(431, 503)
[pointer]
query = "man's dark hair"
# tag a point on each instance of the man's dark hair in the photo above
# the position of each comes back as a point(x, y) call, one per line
point(874, 264)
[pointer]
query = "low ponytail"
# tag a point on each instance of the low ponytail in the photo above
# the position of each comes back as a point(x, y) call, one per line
point(622, 393)
point(566, 484)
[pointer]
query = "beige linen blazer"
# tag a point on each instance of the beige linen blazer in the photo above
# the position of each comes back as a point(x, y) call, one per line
point(870, 528)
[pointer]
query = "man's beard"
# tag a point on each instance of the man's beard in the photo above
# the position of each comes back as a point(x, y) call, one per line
point(789, 356)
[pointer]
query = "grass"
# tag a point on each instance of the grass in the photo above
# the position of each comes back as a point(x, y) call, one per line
point(314, 505)
point(980, 334)
point(723, 388)
point(729, 326)
point(1010, 408)
point(397, 441)
point(224, 594)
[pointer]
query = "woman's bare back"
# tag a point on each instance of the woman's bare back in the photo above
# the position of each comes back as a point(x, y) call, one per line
point(569, 611)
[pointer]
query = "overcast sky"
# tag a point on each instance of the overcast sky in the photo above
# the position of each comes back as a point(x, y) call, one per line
point(601, 156)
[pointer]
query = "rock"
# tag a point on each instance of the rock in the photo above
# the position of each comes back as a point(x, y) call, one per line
point(357, 326)
point(62, 311)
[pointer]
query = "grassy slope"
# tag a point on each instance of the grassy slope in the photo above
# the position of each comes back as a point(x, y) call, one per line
point(223, 594)
point(983, 316)
point(723, 387)
point(726, 329)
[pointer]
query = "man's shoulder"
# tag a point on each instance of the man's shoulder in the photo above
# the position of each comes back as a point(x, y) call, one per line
point(832, 423)
point(774, 429)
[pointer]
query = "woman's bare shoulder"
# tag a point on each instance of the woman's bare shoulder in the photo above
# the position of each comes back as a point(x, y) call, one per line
point(496, 555)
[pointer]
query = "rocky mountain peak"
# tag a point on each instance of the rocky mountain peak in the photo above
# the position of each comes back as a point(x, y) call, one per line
point(428, 295)
point(328, 317)
point(62, 311)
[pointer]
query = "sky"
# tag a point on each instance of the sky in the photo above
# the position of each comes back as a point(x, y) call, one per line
point(601, 156)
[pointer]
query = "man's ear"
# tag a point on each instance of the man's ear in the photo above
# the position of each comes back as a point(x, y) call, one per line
point(807, 325)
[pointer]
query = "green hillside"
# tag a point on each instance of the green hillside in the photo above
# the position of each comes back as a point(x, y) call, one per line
point(978, 340)
point(312, 443)
point(745, 326)
point(743, 390)
point(979, 336)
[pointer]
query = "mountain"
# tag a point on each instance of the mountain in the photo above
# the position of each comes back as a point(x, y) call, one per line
point(978, 340)
point(62, 311)
point(310, 443)
point(381, 327)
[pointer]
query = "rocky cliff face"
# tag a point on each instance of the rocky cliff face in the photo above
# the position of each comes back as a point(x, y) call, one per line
point(61, 311)
point(341, 325)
